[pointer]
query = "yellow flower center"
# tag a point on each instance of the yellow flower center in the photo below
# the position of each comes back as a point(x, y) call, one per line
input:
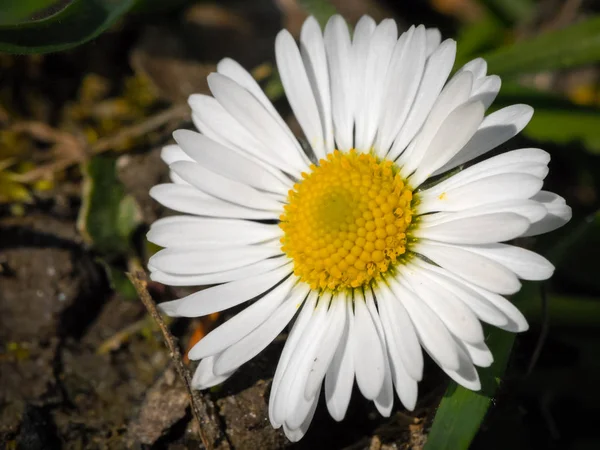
point(345, 222)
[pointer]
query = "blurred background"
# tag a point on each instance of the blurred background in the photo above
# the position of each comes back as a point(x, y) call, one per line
point(89, 92)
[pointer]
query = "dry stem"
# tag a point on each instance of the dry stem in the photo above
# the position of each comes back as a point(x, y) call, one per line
point(203, 410)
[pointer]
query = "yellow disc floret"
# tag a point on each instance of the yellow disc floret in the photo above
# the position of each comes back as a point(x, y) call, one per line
point(345, 222)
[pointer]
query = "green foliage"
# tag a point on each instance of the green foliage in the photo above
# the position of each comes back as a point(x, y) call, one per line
point(108, 216)
point(321, 9)
point(511, 11)
point(462, 411)
point(76, 23)
point(118, 280)
point(569, 47)
point(478, 37)
point(556, 119)
point(13, 12)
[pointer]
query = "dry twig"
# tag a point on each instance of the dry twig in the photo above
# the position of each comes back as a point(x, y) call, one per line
point(203, 410)
point(75, 149)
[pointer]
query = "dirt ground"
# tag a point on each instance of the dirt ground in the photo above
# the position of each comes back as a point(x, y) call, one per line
point(70, 379)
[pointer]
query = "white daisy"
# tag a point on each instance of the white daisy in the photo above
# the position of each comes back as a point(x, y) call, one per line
point(348, 233)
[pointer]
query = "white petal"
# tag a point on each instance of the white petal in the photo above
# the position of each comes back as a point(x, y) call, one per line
point(400, 335)
point(477, 66)
point(516, 321)
point(224, 188)
point(371, 93)
point(481, 229)
point(454, 94)
point(558, 214)
point(405, 383)
point(257, 340)
point(251, 270)
point(223, 296)
point(243, 78)
point(495, 129)
point(340, 375)
point(486, 90)
point(204, 377)
point(496, 188)
point(195, 260)
point(434, 38)
point(458, 318)
point(301, 411)
point(368, 351)
point(295, 434)
point(214, 121)
point(432, 333)
point(384, 402)
point(361, 40)
point(189, 230)
point(530, 209)
point(227, 162)
point(251, 114)
point(298, 404)
point(336, 322)
point(472, 267)
point(188, 199)
point(290, 392)
point(406, 387)
point(524, 160)
point(458, 127)
point(466, 375)
point(298, 91)
point(436, 72)
point(482, 308)
point(526, 264)
point(339, 58)
point(240, 325)
point(479, 353)
point(312, 49)
point(171, 153)
point(177, 179)
point(403, 78)
point(300, 325)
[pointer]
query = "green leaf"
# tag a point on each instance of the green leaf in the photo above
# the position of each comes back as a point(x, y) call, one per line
point(321, 9)
point(16, 11)
point(556, 119)
point(511, 11)
point(118, 281)
point(108, 217)
point(478, 37)
point(78, 22)
point(461, 411)
point(565, 311)
point(572, 46)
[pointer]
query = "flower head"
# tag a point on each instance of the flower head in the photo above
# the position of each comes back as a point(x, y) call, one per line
point(368, 235)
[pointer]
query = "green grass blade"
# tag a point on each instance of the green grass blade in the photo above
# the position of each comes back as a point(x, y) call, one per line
point(321, 9)
point(572, 46)
point(556, 118)
point(461, 411)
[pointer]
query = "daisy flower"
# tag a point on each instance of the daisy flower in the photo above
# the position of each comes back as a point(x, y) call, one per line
point(364, 230)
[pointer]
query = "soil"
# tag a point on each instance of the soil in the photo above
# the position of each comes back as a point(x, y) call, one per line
point(61, 388)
